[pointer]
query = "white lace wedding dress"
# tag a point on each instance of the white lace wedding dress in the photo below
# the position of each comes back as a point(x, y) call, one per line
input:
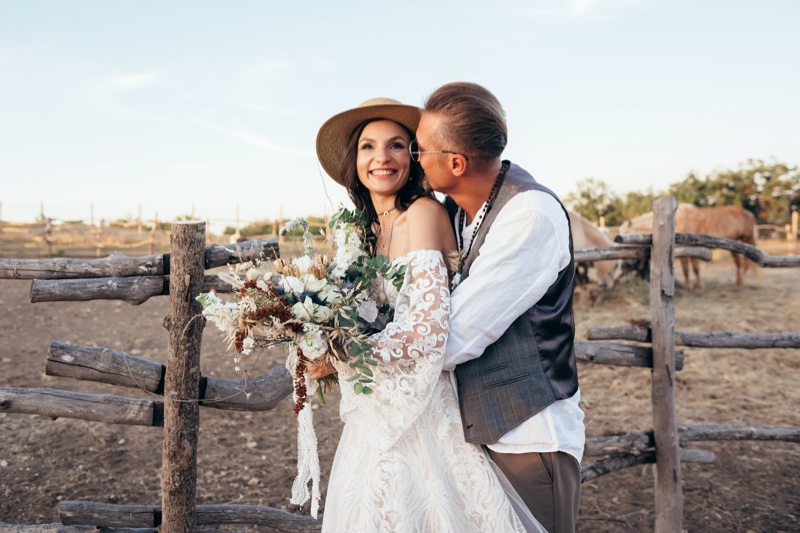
point(402, 464)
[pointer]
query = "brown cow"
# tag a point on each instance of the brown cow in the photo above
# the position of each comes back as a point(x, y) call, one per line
point(729, 222)
point(644, 224)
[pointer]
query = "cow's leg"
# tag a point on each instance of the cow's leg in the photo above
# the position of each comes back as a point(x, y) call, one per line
point(739, 275)
point(745, 265)
point(698, 283)
point(687, 283)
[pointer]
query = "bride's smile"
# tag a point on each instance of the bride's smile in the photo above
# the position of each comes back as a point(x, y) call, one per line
point(383, 161)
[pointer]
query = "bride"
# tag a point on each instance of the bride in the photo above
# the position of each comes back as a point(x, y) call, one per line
point(402, 463)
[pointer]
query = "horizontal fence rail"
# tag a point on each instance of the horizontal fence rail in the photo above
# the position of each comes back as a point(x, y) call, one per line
point(721, 339)
point(640, 441)
point(638, 447)
point(634, 251)
point(619, 354)
point(758, 256)
point(621, 462)
point(61, 528)
point(132, 290)
point(119, 265)
point(149, 516)
point(104, 365)
point(107, 408)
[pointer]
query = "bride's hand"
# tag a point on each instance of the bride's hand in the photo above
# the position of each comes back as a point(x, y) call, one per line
point(317, 371)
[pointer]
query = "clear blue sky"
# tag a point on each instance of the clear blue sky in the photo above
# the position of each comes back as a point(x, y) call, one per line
point(202, 105)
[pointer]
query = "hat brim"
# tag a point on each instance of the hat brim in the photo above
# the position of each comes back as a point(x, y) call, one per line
point(335, 133)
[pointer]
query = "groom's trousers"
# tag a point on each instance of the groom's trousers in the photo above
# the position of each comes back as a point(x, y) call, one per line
point(548, 483)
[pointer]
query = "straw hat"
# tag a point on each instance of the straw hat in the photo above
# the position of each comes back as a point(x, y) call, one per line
point(334, 135)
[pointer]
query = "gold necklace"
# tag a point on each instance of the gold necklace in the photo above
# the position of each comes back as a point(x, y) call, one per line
point(385, 213)
point(388, 241)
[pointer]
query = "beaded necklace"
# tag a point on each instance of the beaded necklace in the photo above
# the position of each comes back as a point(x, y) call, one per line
point(480, 217)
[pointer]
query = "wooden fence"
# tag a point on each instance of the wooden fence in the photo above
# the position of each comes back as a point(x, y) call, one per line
point(181, 276)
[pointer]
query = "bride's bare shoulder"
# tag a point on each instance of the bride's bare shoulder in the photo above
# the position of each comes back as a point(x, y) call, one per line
point(429, 226)
point(427, 207)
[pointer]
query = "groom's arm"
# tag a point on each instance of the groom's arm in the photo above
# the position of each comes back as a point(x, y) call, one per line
point(525, 249)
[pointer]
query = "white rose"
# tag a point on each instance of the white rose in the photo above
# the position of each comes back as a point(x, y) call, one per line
point(329, 293)
point(293, 284)
point(300, 311)
point(312, 344)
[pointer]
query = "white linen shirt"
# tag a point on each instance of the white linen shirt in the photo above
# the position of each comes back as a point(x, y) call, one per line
point(524, 250)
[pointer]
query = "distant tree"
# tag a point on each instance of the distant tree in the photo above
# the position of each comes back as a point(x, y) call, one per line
point(692, 190)
point(595, 199)
point(764, 188)
point(733, 187)
point(636, 203)
point(769, 189)
point(777, 186)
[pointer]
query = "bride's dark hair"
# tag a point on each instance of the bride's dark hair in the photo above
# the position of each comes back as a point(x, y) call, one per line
point(414, 188)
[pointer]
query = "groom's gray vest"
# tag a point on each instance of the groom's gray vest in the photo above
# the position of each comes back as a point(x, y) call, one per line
point(533, 363)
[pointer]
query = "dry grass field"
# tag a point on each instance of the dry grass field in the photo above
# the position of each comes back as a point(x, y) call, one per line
point(249, 458)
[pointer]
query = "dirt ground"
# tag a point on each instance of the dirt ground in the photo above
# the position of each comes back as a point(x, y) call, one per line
point(250, 458)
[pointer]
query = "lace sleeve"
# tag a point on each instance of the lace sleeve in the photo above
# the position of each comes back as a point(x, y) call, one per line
point(422, 312)
point(410, 352)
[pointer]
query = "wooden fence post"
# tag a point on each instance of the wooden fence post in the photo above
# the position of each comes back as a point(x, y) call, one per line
point(184, 325)
point(668, 493)
point(48, 235)
point(153, 229)
point(99, 237)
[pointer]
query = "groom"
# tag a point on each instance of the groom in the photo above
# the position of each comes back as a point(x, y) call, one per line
point(511, 328)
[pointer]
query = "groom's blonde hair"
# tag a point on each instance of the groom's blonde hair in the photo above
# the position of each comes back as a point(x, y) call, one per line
point(473, 122)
